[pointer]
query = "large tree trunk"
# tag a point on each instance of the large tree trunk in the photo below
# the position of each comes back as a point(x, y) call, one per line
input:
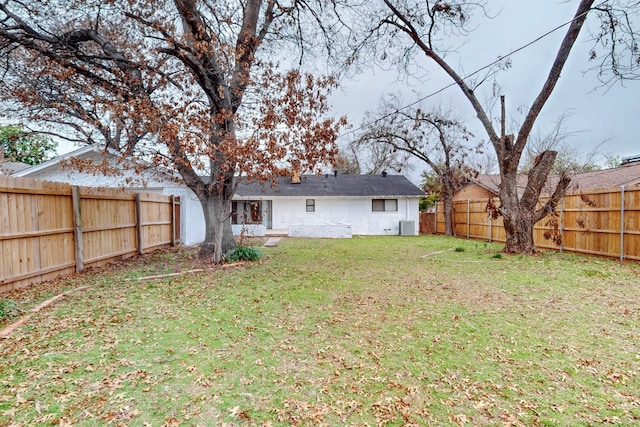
point(522, 212)
point(519, 229)
point(447, 202)
point(218, 239)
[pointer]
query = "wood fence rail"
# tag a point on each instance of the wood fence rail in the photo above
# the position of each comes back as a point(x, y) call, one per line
point(601, 222)
point(50, 229)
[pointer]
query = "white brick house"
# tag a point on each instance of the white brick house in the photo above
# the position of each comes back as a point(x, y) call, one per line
point(331, 205)
point(317, 206)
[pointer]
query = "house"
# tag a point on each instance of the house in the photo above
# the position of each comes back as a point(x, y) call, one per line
point(331, 205)
point(318, 206)
point(487, 186)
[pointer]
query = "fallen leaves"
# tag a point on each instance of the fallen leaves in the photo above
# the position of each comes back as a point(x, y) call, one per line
point(264, 345)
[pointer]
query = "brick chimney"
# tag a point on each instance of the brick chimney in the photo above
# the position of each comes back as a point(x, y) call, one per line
point(295, 172)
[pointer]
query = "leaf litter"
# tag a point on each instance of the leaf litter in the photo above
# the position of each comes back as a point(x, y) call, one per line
point(285, 342)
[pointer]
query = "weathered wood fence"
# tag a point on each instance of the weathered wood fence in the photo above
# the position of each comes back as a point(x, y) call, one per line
point(427, 223)
point(50, 229)
point(603, 222)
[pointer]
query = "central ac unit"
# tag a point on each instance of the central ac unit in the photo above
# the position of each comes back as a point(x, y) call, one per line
point(407, 228)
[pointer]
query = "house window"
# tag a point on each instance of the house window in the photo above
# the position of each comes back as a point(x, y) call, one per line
point(384, 205)
point(311, 205)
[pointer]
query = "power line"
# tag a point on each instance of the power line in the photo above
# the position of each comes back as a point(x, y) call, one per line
point(491, 64)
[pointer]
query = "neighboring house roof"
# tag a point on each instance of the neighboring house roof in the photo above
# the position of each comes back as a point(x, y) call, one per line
point(626, 175)
point(80, 153)
point(98, 153)
point(333, 186)
point(9, 168)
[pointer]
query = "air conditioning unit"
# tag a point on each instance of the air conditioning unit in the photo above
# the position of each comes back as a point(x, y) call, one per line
point(407, 228)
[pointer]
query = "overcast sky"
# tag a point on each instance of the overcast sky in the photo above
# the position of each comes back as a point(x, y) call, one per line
point(597, 114)
point(606, 119)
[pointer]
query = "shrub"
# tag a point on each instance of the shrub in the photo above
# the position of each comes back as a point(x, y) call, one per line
point(245, 253)
point(459, 249)
point(497, 256)
point(8, 309)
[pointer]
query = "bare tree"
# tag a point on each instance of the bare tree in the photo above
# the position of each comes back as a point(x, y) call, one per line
point(568, 160)
point(347, 163)
point(423, 28)
point(194, 82)
point(433, 137)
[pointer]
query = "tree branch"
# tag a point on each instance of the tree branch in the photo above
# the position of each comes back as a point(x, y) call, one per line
point(554, 74)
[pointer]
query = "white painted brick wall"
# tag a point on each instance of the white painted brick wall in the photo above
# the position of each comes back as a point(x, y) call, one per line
point(332, 231)
point(249, 230)
point(354, 211)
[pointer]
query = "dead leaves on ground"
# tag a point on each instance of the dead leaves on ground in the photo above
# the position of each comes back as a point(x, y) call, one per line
point(203, 351)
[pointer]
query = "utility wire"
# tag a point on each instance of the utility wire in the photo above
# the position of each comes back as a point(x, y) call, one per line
point(491, 64)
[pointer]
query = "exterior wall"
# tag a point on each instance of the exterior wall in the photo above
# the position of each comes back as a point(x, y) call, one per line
point(473, 192)
point(355, 212)
point(194, 227)
point(331, 231)
point(249, 230)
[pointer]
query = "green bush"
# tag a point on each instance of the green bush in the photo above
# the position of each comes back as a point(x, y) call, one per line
point(459, 249)
point(245, 253)
point(8, 309)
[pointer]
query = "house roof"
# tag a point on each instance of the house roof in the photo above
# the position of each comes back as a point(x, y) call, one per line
point(94, 152)
point(626, 175)
point(310, 186)
point(333, 186)
point(8, 168)
point(79, 153)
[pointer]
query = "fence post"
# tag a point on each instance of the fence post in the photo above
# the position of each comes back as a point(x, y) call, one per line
point(561, 225)
point(435, 220)
point(173, 220)
point(139, 223)
point(77, 228)
point(621, 223)
point(468, 217)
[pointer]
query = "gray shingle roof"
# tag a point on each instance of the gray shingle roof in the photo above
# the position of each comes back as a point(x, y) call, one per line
point(333, 186)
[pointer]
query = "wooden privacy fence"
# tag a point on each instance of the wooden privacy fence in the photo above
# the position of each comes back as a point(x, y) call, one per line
point(50, 229)
point(600, 222)
point(427, 223)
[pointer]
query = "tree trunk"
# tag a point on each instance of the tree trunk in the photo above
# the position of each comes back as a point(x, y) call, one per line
point(518, 226)
point(447, 202)
point(218, 240)
point(521, 212)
